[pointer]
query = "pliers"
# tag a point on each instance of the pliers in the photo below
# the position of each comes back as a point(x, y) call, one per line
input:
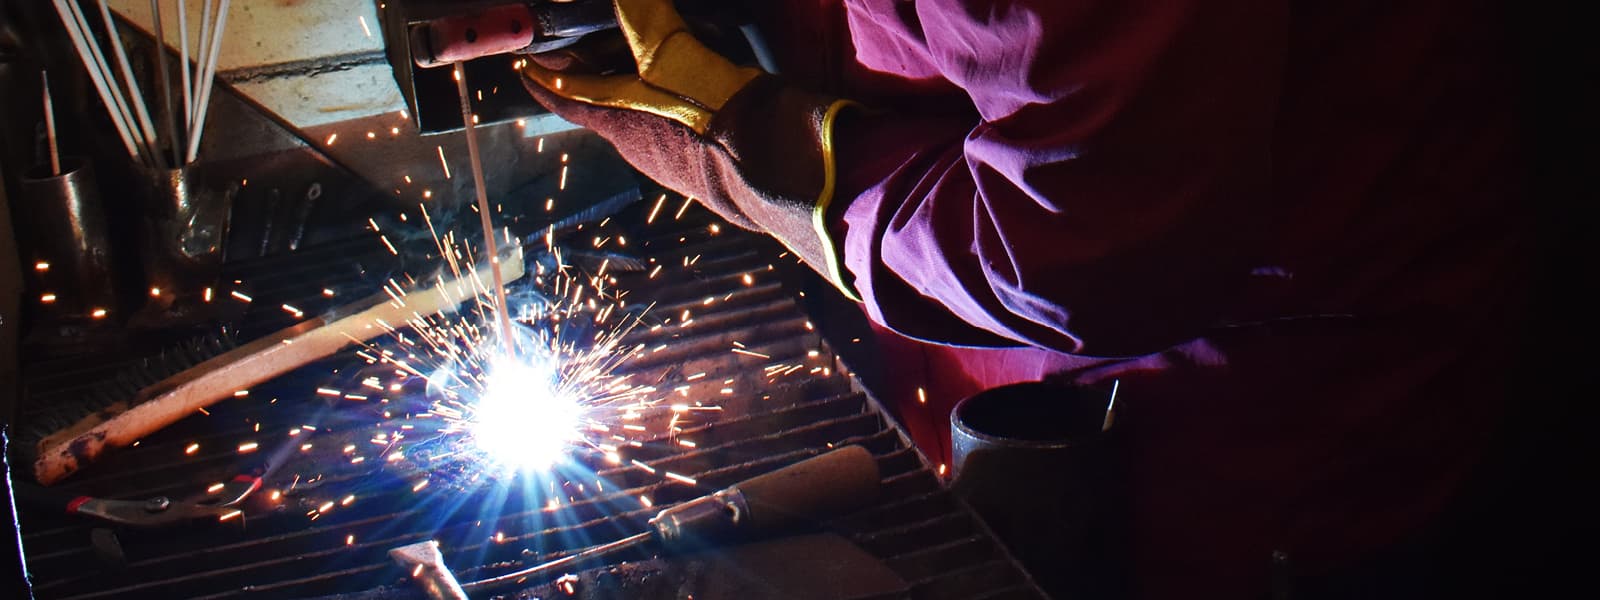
point(152, 513)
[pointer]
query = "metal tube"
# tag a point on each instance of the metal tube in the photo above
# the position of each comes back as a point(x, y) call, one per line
point(1035, 461)
point(66, 238)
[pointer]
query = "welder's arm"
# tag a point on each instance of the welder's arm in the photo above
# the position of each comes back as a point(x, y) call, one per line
point(1099, 202)
point(753, 149)
point(1104, 200)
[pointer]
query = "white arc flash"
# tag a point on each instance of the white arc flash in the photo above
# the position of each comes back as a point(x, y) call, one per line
point(524, 420)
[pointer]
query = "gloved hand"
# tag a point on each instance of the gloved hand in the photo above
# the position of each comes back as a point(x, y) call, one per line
point(751, 148)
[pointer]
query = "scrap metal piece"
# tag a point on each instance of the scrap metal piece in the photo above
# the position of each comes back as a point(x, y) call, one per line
point(427, 568)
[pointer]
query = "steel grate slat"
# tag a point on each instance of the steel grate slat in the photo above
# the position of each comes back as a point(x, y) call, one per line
point(765, 423)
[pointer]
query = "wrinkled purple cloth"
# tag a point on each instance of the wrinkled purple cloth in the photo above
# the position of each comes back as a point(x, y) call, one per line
point(1288, 228)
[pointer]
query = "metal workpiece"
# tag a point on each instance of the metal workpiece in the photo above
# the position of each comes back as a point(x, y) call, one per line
point(427, 569)
point(1039, 463)
point(64, 240)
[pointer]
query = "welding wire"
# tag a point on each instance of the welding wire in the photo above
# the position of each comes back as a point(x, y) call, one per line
point(208, 78)
point(483, 207)
point(50, 126)
point(80, 43)
point(135, 96)
point(166, 82)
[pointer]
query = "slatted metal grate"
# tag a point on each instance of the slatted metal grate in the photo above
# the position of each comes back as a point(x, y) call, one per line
point(765, 422)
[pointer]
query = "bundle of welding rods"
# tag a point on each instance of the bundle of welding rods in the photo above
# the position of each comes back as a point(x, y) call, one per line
point(129, 110)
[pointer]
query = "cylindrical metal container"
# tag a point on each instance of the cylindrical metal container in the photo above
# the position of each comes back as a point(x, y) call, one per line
point(184, 228)
point(1033, 461)
point(66, 248)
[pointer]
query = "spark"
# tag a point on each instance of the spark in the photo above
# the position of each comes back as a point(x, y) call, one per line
point(41, 266)
point(191, 449)
point(240, 296)
point(750, 353)
point(332, 138)
point(656, 209)
point(47, 298)
point(248, 447)
point(442, 162)
point(98, 313)
point(230, 515)
point(364, 28)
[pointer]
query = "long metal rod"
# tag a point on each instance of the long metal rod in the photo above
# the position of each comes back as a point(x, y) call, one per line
point(135, 98)
point(207, 79)
point(80, 43)
point(167, 109)
point(98, 59)
point(184, 77)
point(200, 59)
point(563, 562)
point(489, 245)
point(50, 126)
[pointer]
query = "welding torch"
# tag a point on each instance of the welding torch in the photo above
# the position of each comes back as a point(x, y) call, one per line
point(535, 27)
point(814, 489)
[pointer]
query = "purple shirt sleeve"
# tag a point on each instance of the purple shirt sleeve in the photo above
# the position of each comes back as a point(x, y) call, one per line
point(1098, 198)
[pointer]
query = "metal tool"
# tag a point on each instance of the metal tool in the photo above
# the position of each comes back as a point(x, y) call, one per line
point(420, 35)
point(813, 489)
point(156, 512)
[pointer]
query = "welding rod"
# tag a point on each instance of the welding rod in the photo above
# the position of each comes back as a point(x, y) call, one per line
point(166, 80)
point(72, 21)
point(135, 97)
point(817, 488)
point(50, 127)
point(208, 77)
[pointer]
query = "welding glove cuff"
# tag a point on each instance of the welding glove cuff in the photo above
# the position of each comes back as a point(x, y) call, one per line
point(765, 160)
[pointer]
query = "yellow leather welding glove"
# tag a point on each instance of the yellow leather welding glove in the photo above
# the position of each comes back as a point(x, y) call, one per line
point(751, 148)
